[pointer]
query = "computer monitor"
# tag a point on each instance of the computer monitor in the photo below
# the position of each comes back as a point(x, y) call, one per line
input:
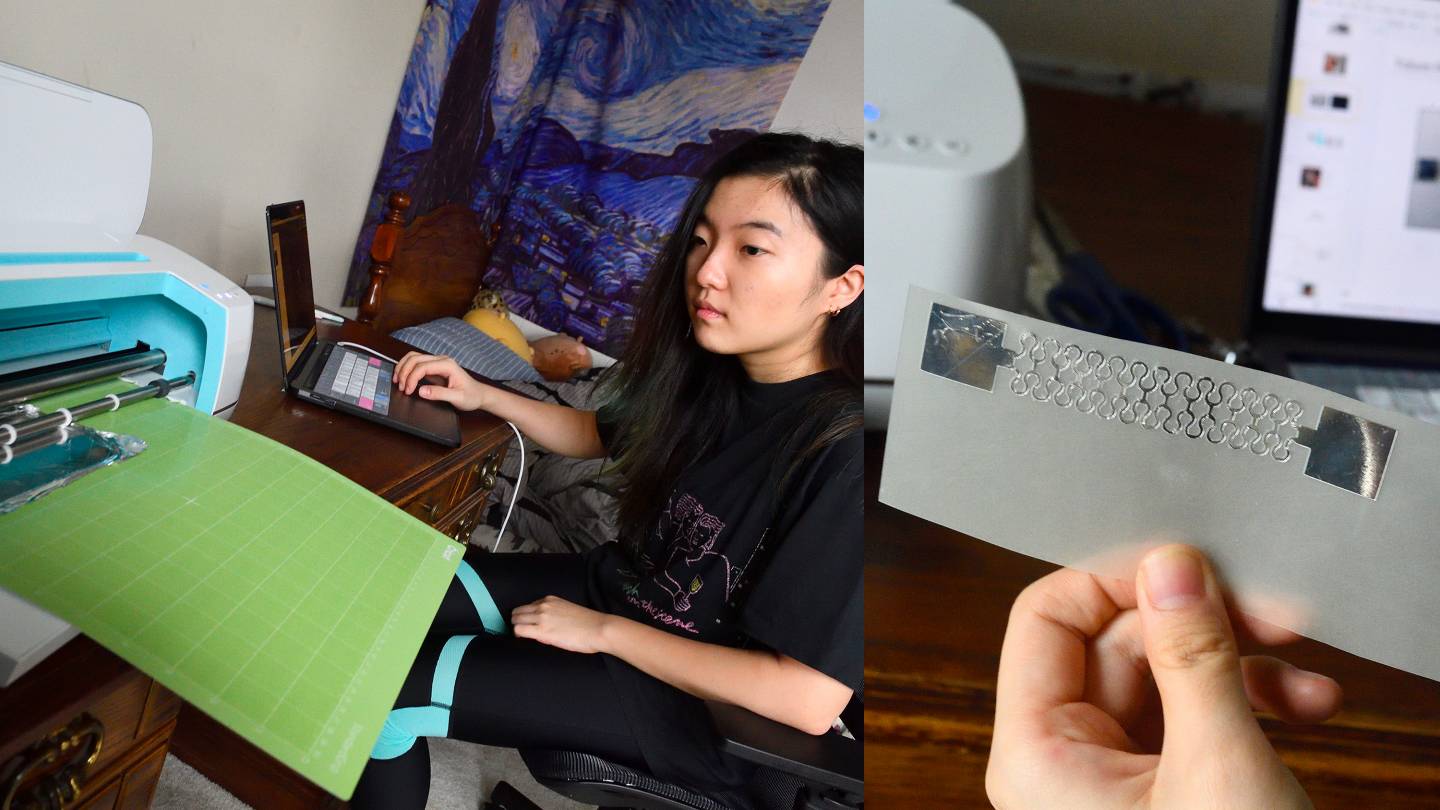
point(1349, 222)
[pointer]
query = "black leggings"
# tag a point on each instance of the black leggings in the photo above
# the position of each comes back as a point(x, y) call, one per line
point(509, 692)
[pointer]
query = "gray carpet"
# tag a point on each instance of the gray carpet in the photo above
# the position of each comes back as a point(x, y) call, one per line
point(460, 773)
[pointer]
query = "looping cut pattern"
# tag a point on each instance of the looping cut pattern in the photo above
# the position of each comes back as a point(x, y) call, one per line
point(1154, 398)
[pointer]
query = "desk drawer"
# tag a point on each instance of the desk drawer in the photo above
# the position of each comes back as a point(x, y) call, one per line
point(479, 479)
point(435, 499)
point(455, 498)
point(129, 712)
point(463, 519)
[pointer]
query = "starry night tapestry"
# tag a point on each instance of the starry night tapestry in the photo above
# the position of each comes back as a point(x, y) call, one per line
point(574, 129)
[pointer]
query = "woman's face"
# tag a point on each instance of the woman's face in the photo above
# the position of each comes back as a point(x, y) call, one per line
point(753, 283)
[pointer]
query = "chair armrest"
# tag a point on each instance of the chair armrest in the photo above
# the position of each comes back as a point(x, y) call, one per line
point(829, 760)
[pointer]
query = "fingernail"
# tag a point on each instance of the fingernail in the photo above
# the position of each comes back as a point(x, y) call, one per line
point(1317, 678)
point(1173, 578)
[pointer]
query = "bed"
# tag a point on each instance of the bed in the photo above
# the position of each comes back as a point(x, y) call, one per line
point(430, 269)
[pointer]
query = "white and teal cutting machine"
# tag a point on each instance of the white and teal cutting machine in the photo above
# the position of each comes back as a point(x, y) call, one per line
point(83, 295)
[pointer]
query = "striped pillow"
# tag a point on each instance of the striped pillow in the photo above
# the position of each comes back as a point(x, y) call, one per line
point(471, 348)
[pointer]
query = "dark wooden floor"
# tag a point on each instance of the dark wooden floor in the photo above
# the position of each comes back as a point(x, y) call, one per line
point(1164, 198)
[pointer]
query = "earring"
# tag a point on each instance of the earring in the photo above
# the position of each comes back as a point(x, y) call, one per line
point(835, 311)
point(688, 329)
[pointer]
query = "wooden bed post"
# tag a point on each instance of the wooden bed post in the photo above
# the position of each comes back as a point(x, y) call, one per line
point(382, 252)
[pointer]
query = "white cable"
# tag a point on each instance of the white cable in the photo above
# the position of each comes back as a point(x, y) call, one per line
point(514, 496)
point(9, 454)
point(13, 434)
point(69, 418)
point(366, 349)
point(115, 400)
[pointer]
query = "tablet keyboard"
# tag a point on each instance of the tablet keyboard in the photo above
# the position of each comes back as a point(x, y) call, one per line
point(356, 379)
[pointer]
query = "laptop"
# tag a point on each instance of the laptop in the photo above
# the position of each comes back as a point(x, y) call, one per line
point(1345, 269)
point(324, 372)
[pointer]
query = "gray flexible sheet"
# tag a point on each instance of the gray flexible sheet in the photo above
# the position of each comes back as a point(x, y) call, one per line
point(1321, 513)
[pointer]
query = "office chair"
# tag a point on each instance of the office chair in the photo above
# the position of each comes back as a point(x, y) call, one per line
point(797, 771)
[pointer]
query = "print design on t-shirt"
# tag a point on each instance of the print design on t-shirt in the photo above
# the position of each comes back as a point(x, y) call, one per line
point(686, 535)
point(694, 532)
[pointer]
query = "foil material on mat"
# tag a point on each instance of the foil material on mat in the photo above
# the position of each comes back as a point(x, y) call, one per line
point(38, 473)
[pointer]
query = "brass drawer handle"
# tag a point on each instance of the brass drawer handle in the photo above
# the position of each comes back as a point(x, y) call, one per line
point(78, 742)
point(462, 529)
point(423, 511)
point(489, 471)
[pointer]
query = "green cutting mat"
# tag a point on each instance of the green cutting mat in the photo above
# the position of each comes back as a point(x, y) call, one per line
point(282, 599)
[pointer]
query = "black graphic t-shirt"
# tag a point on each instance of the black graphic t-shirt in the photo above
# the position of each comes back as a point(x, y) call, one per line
point(723, 563)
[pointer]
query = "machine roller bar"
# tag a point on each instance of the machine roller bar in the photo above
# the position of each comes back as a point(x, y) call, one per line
point(19, 438)
point(25, 385)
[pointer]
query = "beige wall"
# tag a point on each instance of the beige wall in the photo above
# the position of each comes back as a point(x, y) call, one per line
point(262, 101)
point(1225, 41)
point(252, 103)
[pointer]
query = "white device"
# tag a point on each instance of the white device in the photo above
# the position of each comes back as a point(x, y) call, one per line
point(947, 172)
point(77, 281)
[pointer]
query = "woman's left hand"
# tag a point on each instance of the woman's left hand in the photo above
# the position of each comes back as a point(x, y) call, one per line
point(559, 623)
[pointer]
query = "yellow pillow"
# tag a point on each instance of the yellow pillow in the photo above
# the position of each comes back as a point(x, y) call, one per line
point(502, 329)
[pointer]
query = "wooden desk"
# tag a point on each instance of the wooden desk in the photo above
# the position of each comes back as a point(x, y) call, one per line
point(443, 487)
point(1163, 198)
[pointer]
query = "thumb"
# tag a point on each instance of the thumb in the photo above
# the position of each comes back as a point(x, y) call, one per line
point(1192, 651)
point(439, 392)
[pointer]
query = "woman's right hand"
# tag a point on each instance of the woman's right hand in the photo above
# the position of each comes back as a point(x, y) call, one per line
point(460, 389)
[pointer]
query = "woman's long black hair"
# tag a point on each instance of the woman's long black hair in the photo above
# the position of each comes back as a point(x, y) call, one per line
point(671, 398)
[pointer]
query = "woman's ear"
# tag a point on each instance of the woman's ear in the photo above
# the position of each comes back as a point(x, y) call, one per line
point(845, 288)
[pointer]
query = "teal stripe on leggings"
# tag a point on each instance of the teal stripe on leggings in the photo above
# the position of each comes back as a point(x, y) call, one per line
point(403, 726)
point(485, 605)
point(447, 669)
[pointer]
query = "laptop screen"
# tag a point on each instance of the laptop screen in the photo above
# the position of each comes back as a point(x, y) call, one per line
point(290, 269)
point(1355, 221)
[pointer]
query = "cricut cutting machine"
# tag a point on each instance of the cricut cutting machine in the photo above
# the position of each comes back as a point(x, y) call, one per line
point(947, 172)
point(83, 296)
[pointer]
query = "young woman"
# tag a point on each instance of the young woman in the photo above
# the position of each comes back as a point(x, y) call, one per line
point(735, 422)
